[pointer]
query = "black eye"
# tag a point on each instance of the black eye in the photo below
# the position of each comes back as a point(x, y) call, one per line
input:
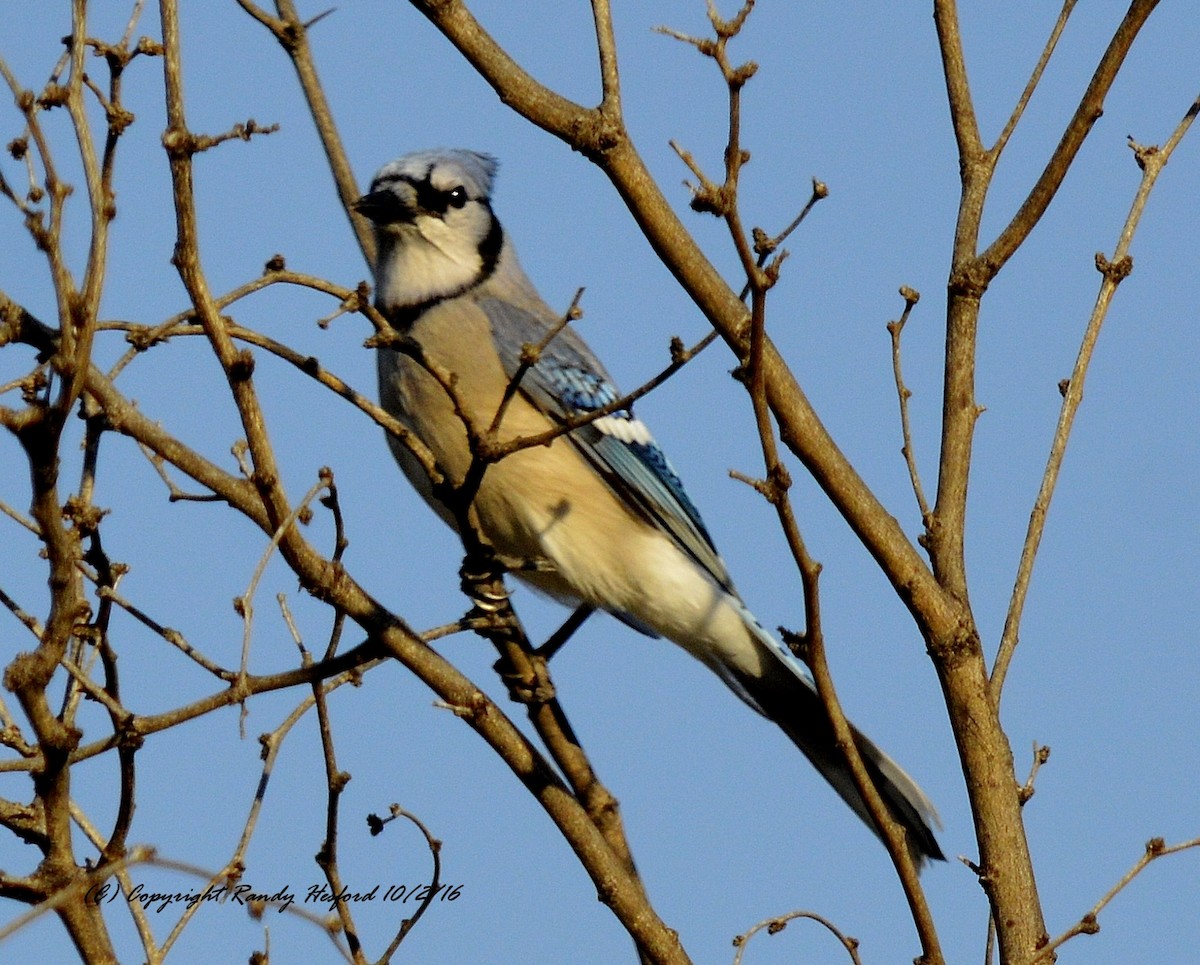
point(457, 197)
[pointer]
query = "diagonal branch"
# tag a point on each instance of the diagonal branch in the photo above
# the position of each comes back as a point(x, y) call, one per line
point(812, 641)
point(1151, 161)
point(292, 34)
point(590, 131)
point(1088, 925)
point(1091, 106)
point(1034, 79)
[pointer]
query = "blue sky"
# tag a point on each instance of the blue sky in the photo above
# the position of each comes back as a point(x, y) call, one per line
point(728, 822)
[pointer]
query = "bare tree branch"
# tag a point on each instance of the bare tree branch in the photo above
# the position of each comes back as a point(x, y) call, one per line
point(774, 926)
point(1089, 924)
point(1151, 160)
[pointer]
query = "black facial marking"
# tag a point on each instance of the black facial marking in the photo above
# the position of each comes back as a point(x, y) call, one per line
point(381, 206)
point(431, 200)
point(437, 201)
point(489, 248)
point(403, 317)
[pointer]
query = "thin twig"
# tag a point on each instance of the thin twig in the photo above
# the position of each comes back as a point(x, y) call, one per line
point(606, 46)
point(558, 639)
point(131, 24)
point(31, 622)
point(172, 636)
point(1151, 160)
point(530, 356)
point(680, 356)
point(778, 481)
point(235, 866)
point(1091, 106)
point(346, 667)
point(435, 884)
point(291, 31)
point(1041, 754)
point(911, 297)
point(307, 364)
point(777, 924)
point(77, 888)
point(327, 855)
point(10, 733)
point(83, 679)
point(1089, 924)
point(1034, 79)
point(244, 604)
point(143, 337)
point(174, 493)
point(137, 909)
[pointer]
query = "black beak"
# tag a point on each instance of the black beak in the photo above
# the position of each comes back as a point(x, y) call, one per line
point(382, 207)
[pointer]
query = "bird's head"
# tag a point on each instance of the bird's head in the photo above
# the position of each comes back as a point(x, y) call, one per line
point(436, 234)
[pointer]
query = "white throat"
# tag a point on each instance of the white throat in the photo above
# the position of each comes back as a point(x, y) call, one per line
point(423, 262)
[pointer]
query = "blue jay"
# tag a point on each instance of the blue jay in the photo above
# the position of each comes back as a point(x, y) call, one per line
point(600, 510)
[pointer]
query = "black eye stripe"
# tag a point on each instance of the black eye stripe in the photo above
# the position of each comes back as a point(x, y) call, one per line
point(430, 198)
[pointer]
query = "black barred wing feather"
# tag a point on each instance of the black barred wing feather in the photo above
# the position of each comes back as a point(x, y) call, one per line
point(568, 381)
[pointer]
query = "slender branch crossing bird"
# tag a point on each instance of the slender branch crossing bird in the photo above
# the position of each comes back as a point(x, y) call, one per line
point(600, 510)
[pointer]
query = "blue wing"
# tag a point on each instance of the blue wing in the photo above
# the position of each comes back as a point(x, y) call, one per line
point(567, 381)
